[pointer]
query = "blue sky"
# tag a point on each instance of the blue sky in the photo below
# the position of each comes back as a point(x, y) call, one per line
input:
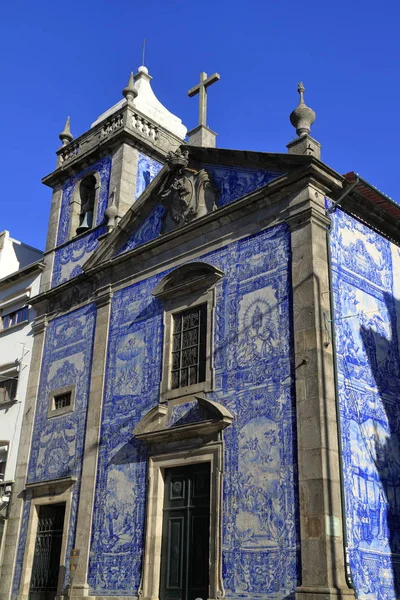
point(74, 58)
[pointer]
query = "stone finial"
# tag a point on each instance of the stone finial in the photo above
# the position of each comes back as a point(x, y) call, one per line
point(302, 117)
point(130, 92)
point(66, 136)
point(111, 212)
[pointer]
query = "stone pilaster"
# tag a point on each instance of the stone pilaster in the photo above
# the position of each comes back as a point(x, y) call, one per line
point(93, 426)
point(54, 218)
point(321, 518)
point(17, 502)
point(123, 177)
point(51, 242)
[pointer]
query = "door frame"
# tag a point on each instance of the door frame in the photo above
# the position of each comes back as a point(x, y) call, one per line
point(213, 454)
point(36, 502)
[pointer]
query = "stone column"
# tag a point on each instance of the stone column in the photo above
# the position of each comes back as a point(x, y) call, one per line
point(17, 502)
point(52, 232)
point(123, 177)
point(93, 426)
point(321, 519)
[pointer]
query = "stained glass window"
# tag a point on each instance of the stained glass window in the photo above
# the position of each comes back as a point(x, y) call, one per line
point(189, 347)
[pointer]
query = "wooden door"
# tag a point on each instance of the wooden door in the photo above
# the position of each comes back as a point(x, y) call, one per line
point(185, 536)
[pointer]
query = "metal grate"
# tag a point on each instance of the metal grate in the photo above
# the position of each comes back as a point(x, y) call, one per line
point(46, 560)
point(189, 347)
point(62, 400)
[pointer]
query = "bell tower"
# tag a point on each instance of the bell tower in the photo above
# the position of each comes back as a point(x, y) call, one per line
point(99, 174)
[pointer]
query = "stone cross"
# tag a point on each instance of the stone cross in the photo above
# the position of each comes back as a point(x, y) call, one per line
point(201, 88)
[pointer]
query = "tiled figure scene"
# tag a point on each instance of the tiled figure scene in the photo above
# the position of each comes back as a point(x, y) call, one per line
point(367, 309)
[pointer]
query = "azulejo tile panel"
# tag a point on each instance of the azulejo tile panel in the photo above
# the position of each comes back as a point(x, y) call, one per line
point(235, 182)
point(253, 374)
point(148, 230)
point(147, 169)
point(57, 442)
point(69, 259)
point(366, 295)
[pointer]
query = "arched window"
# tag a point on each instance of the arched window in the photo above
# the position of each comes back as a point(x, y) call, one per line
point(87, 193)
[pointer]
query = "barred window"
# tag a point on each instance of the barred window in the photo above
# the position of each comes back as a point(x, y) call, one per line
point(62, 400)
point(8, 388)
point(189, 347)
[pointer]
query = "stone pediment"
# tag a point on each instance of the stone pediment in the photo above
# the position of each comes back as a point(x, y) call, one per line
point(175, 197)
point(194, 182)
point(195, 416)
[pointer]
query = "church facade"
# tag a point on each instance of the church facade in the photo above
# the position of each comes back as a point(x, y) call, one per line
point(212, 401)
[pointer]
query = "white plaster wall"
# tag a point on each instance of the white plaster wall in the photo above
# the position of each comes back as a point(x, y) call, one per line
point(16, 345)
point(14, 255)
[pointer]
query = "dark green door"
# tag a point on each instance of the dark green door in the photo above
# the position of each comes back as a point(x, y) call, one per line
point(185, 537)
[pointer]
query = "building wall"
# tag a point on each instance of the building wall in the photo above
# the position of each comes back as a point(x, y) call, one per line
point(366, 285)
point(15, 347)
point(57, 442)
point(14, 255)
point(253, 379)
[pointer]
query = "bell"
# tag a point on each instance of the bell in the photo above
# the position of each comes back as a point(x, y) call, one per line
point(86, 222)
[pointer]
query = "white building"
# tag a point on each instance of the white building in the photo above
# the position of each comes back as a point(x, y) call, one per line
point(20, 271)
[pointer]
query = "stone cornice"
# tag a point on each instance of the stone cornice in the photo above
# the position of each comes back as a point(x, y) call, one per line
point(103, 296)
point(39, 324)
point(49, 488)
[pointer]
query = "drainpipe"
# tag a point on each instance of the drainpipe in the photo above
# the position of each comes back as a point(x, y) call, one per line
point(330, 210)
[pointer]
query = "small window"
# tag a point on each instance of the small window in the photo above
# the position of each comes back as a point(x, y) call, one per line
point(189, 347)
point(62, 400)
point(3, 459)
point(8, 388)
point(15, 317)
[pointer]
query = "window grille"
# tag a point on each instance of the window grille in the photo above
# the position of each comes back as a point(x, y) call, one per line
point(46, 560)
point(189, 347)
point(62, 400)
point(8, 389)
point(15, 317)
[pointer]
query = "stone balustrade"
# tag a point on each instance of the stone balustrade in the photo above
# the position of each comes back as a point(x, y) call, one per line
point(144, 126)
point(133, 120)
point(111, 125)
point(69, 152)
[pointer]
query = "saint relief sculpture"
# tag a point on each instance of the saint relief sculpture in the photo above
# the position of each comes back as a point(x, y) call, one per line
point(188, 194)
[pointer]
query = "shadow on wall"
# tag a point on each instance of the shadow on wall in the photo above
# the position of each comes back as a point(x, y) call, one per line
point(382, 350)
